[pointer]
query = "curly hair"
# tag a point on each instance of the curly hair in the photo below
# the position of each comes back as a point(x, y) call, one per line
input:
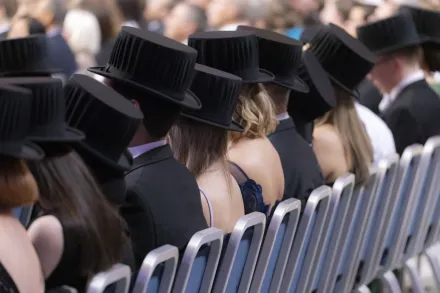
point(255, 112)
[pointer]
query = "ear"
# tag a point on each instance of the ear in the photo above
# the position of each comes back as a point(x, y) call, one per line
point(136, 104)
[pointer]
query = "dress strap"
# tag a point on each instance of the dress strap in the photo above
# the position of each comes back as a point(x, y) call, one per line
point(237, 172)
point(211, 214)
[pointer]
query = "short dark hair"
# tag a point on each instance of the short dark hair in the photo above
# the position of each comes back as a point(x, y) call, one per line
point(159, 114)
point(131, 9)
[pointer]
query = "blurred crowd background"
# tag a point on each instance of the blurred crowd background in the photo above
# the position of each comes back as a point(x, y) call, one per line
point(89, 27)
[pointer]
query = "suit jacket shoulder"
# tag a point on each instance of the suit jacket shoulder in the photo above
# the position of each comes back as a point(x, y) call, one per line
point(166, 194)
point(302, 173)
point(414, 116)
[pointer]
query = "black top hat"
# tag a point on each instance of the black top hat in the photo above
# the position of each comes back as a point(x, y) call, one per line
point(48, 122)
point(235, 52)
point(321, 97)
point(390, 34)
point(15, 107)
point(346, 60)
point(218, 91)
point(25, 57)
point(426, 22)
point(280, 55)
point(108, 119)
point(154, 64)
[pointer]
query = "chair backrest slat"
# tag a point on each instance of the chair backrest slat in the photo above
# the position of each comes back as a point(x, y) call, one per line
point(119, 274)
point(238, 263)
point(426, 236)
point(363, 197)
point(276, 246)
point(386, 171)
point(210, 239)
point(308, 239)
point(339, 226)
point(166, 256)
point(422, 198)
point(383, 258)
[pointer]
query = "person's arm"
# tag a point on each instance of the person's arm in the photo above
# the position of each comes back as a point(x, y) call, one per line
point(137, 214)
point(46, 234)
point(329, 152)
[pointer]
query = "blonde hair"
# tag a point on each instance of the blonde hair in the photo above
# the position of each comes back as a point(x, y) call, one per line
point(17, 185)
point(357, 144)
point(255, 112)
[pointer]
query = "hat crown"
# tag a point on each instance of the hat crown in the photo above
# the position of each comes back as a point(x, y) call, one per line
point(343, 57)
point(278, 53)
point(218, 91)
point(47, 112)
point(389, 34)
point(426, 21)
point(108, 120)
point(235, 52)
point(24, 56)
point(15, 107)
point(152, 60)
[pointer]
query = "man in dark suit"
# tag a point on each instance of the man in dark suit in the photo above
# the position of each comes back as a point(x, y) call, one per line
point(281, 55)
point(410, 107)
point(163, 204)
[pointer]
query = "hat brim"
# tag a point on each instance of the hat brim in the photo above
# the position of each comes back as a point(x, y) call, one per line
point(264, 76)
point(42, 72)
point(296, 84)
point(70, 135)
point(124, 162)
point(189, 101)
point(233, 126)
point(397, 47)
point(353, 93)
point(27, 151)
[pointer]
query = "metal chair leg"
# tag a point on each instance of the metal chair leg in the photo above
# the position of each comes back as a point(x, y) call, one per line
point(416, 281)
point(435, 266)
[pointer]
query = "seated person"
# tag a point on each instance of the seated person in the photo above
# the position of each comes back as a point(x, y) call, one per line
point(200, 141)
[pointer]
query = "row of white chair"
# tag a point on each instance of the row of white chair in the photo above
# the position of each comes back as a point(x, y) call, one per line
point(345, 238)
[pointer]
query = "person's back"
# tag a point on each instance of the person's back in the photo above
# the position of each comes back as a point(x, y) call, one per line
point(158, 174)
point(261, 162)
point(224, 196)
point(200, 141)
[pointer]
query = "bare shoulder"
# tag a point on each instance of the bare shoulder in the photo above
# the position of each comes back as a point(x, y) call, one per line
point(46, 227)
point(326, 139)
point(255, 153)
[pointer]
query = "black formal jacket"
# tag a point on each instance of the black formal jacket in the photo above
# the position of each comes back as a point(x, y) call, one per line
point(369, 96)
point(162, 204)
point(414, 116)
point(61, 56)
point(302, 173)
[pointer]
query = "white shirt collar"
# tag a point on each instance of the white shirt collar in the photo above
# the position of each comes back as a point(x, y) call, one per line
point(283, 116)
point(142, 149)
point(392, 95)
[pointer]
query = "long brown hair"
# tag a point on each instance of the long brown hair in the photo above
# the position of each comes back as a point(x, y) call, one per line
point(357, 144)
point(69, 191)
point(198, 145)
point(17, 185)
point(255, 112)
